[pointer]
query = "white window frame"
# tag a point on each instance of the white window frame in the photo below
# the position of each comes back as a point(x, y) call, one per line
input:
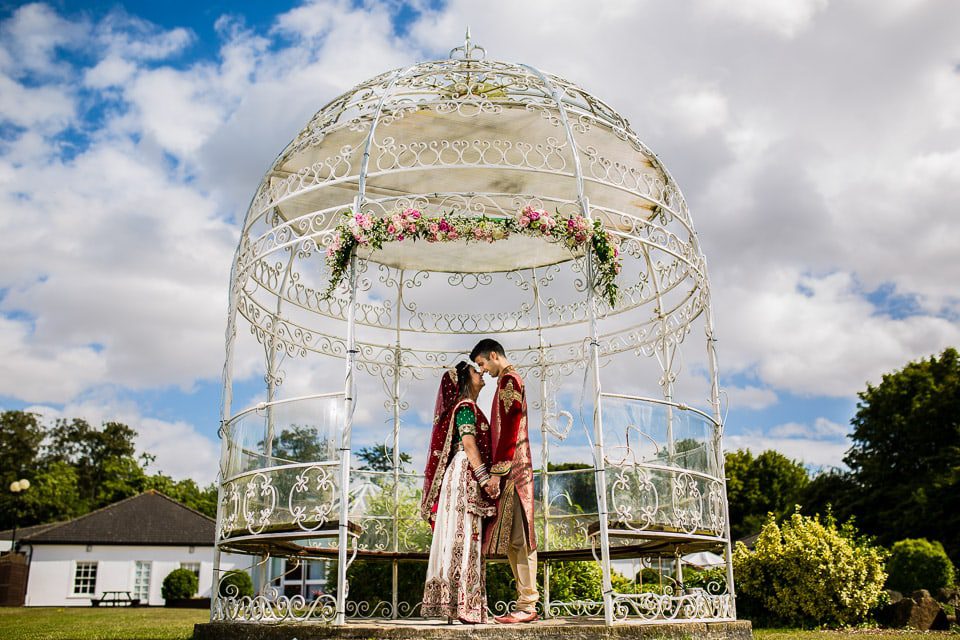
point(77, 565)
point(135, 591)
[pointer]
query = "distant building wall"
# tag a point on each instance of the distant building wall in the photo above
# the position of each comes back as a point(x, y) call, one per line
point(53, 569)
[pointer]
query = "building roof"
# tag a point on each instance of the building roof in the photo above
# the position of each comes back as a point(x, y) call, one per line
point(150, 518)
point(22, 532)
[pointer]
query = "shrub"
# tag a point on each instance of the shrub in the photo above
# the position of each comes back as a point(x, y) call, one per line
point(919, 564)
point(807, 572)
point(239, 579)
point(712, 580)
point(180, 584)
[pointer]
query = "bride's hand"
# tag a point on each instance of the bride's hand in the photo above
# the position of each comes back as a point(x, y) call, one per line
point(492, 487)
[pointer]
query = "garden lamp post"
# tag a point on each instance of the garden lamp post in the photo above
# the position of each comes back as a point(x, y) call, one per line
point(17, 487)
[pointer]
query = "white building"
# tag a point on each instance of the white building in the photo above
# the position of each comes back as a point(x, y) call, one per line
point(131, 545)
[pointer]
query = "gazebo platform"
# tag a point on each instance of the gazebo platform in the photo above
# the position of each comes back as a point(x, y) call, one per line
point(554, 629)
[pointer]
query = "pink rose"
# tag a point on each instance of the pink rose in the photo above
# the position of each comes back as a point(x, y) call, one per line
point(534, 215)
point(391, 229)
point(452, 234)
point(434, 227)
point(524, 221)
point(478, 233)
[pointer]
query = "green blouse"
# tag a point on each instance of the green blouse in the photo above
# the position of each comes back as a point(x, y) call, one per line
point(466, 422)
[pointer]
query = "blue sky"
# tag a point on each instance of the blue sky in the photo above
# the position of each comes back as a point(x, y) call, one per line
point(817, 142)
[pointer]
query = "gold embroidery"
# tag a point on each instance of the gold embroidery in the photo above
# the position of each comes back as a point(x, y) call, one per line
point(508, 394)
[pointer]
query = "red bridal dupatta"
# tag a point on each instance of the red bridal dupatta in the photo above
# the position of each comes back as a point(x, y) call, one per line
point(441, 442)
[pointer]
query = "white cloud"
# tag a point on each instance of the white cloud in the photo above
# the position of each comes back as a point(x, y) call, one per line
point(821, 428)
point(30, 39)
point(49, 109)
point(819, 335)
point(697, 110)
point(181, 452)
point(751, 397)
point(786, 18)
point(815, 447)
point(111, 71)
point(35, 373)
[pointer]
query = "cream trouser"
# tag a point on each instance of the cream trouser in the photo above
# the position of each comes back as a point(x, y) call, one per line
point(523, 562)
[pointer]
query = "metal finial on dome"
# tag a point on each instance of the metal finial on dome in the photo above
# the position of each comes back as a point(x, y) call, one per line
point(468, 51)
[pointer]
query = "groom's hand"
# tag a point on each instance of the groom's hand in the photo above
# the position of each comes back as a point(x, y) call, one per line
point(492, 487)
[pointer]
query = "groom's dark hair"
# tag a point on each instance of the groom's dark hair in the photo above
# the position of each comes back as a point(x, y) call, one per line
point(486, 347)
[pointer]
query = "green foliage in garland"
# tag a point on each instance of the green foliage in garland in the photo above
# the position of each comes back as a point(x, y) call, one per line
point(575, 232)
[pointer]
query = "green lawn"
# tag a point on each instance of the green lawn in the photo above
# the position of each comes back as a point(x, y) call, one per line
point(149, 623)
point(87, 623)
point(852, 634)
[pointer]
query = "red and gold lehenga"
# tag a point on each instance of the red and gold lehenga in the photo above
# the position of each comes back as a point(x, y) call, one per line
point(455, 506)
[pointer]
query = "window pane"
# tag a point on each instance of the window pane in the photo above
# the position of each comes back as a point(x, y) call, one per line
point(85, 578)
point(141, 583)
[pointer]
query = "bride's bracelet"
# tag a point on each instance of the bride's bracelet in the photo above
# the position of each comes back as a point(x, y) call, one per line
point(481, 474)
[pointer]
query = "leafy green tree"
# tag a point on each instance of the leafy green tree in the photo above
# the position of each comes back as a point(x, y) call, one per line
point(380, 458)
point(104, 459)
point(905, 458)
point(808, 572)
point(53, 495)
point(20, 437)
point(769, 483)
point(830, 491)
point(187, 492)
point(300, 443)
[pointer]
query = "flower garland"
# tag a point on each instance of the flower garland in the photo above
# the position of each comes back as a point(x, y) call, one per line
point(574, 232)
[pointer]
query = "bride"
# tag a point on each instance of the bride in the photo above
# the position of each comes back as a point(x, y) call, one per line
point(457, 495)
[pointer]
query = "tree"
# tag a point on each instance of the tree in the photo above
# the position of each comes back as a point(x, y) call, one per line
point(104, 459)
point(20, 438)
point(74, 467)
point(302, 444)
point(905, 458)
point(829, 491)
point(769, 483)
point(186, 492)
point(380, 458)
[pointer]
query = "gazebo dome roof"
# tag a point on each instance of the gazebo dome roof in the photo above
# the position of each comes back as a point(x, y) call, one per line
point(470, 135)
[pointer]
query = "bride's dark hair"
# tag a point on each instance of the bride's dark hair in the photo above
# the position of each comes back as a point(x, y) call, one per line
point(463, 378)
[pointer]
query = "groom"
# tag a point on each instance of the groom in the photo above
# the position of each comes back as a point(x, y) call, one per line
point(511, 533)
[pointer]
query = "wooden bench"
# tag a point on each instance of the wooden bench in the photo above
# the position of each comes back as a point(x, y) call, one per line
point(116, 599)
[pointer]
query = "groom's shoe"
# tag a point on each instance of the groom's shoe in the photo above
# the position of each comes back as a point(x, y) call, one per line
point(516, 617)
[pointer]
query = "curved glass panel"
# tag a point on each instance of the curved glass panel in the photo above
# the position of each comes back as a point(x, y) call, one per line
point(285, 432)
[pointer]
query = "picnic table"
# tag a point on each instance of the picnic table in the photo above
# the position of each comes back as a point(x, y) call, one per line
point(116, 599)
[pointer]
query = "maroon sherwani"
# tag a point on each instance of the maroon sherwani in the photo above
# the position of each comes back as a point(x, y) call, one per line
point(512, 446)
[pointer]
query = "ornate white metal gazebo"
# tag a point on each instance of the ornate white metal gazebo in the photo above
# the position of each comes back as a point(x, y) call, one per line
point(321, 460)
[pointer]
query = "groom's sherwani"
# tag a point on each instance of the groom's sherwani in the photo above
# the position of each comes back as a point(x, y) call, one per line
point(511, 533)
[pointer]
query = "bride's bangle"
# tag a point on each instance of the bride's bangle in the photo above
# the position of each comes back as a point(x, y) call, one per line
point(481, 474)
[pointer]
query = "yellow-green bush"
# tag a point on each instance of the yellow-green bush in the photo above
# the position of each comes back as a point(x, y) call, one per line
point(808, 573)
